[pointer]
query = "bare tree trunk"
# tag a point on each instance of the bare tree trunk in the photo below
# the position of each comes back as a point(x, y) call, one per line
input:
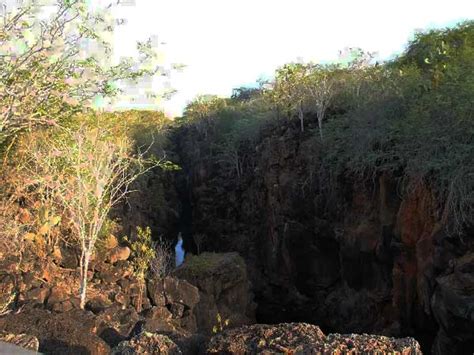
point(300, 114)
point(84, 268)
point(237, 168)
point(320, 124)
point(237, 165)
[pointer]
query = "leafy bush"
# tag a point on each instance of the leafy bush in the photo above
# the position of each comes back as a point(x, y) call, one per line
point(417, 119)
point(142, 251)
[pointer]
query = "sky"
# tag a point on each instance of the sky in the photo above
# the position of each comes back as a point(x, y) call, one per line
point(226, 44)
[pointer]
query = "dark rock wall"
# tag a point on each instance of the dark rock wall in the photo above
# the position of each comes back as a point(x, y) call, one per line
point(346, 253)
point(153, 202)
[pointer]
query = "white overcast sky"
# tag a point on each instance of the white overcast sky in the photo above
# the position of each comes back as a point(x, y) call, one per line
point(226, 44)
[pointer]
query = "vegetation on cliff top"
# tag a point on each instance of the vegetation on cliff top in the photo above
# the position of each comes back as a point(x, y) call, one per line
point(411, 116)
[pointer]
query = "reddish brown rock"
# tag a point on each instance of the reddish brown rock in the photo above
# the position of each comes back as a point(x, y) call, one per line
point(111, 242)
point(119, 254)
point(158, 313)
point(58, 294)
point(7, 290)
point(37, 294)
point(98, 304)
point(113, 273)
point(156, 291)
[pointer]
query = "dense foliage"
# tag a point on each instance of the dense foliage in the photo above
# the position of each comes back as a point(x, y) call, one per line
point(411, 116)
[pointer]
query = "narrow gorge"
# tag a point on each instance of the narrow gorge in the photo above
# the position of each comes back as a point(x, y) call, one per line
point(348, 253)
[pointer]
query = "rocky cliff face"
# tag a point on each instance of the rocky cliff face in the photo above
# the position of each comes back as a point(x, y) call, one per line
point(350, 254)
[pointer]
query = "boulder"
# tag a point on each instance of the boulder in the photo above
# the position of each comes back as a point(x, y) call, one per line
point(110, 242)
point(302, 338)
point(112, 273)
point(98, 304)
point(69, 256)
point(158, 313)
point(47, 271)
point(172, 290)
point(224, 289)
point(122, 299)
point(37, 295)
point(147, 343)
point(64, 306)
point(71, 332)
point(175, 299)
point(30, 281)
point(119, 253)
point(180, 292)
point(58, 294)
point(116, 324)
point(156, 292)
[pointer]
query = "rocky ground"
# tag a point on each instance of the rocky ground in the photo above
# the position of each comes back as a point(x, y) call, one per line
point(204, 306)
point(43, 301)
point(302, 338)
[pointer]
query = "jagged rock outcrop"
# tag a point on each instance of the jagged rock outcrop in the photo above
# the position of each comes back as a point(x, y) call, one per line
point(301, 338)
point(224, 289)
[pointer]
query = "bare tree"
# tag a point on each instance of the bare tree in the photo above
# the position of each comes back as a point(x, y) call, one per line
point(162, 263)
point(88, 171)
point(289, 90)
point(321, 87)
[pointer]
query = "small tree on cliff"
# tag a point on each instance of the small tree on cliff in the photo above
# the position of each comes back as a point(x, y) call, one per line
point(321, 87)
point(299, 88)
point(290, 90)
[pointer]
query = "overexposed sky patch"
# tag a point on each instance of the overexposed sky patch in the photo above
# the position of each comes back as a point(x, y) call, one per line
point(226, 44)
